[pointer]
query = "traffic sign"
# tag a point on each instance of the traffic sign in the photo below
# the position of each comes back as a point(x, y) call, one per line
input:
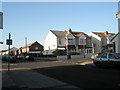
point(9, 41)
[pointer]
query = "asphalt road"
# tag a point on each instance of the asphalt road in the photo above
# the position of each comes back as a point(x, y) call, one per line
point(81, 73)
point(84, 76)
point(25, 64)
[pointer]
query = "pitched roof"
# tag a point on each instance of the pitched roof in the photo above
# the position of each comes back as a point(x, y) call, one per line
point(13, 48)
point(117, 12)
point(78, 34)
point(60, 34)
point(28, 45)
point(102, 34)
point(115, 35)
point(63, 34)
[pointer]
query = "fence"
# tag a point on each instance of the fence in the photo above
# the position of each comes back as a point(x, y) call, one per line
point(64, 57)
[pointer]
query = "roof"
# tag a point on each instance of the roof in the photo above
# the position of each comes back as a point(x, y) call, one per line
point(117, 12)
point(115, 35)
point(28, 45)
point(78, 34)
point(60, 34)
point(102, 34)
point(3, 50)
point(13, 48)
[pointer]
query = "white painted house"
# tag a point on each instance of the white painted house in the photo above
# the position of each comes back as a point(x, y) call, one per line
point(116, 39)
point(116, 42)
point(54, 40)
point(101, 40)
point(66, 40)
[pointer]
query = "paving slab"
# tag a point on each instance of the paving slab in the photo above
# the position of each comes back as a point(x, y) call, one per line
point(7, 82)
point(30, 79)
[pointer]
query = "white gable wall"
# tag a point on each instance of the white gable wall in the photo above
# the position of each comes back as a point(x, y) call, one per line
point(50, 41)
point(118, 49)
point(117, 43)
point(109, 40)
point(96, 41)
point(83, 42)
point(70, 39)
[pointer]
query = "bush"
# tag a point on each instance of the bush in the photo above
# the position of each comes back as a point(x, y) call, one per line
point(59, 52)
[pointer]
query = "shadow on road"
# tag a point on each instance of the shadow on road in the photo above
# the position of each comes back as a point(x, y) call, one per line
point(84, 76)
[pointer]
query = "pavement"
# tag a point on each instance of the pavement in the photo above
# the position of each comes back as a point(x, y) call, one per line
point(28, 79)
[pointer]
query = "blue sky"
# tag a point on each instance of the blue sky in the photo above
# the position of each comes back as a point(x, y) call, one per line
point(34, 19)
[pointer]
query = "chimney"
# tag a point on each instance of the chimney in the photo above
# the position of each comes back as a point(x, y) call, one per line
point(106, 32)
point(69, 30)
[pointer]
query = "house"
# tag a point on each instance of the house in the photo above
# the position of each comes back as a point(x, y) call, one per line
point(12, 51)
point(34, 48)
point(101, 40)
point(66, 40)
point(116, 39)
point(116, 43)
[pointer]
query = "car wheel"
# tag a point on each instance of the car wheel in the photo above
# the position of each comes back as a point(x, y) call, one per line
point(98, 64)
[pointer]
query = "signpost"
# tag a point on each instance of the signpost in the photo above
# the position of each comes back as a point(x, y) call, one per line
point(9, 42)
point(1, 20)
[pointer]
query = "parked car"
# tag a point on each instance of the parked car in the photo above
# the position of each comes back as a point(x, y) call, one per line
point(8, 57)
point(29, 57)
point(95, 55)
point(118, 54)
point(21, 57)
point(108, 59)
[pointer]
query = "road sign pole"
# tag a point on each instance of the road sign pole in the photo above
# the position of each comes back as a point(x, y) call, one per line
point(9, 54)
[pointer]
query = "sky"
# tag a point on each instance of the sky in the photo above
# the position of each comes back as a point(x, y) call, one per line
point(34, 19)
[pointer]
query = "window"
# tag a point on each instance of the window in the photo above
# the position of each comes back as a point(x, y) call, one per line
point(104, 55)
point(70, 41)
point(59, 40)
point(48, 47)
point(111, 56)
point(36, 48)
point(82, 41)
point(53, 45)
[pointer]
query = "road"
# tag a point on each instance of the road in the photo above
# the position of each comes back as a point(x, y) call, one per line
point(81, 73)
point(84, 76)
point(25, 64)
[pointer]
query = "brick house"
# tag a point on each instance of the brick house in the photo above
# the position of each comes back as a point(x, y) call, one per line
point(34, 48)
